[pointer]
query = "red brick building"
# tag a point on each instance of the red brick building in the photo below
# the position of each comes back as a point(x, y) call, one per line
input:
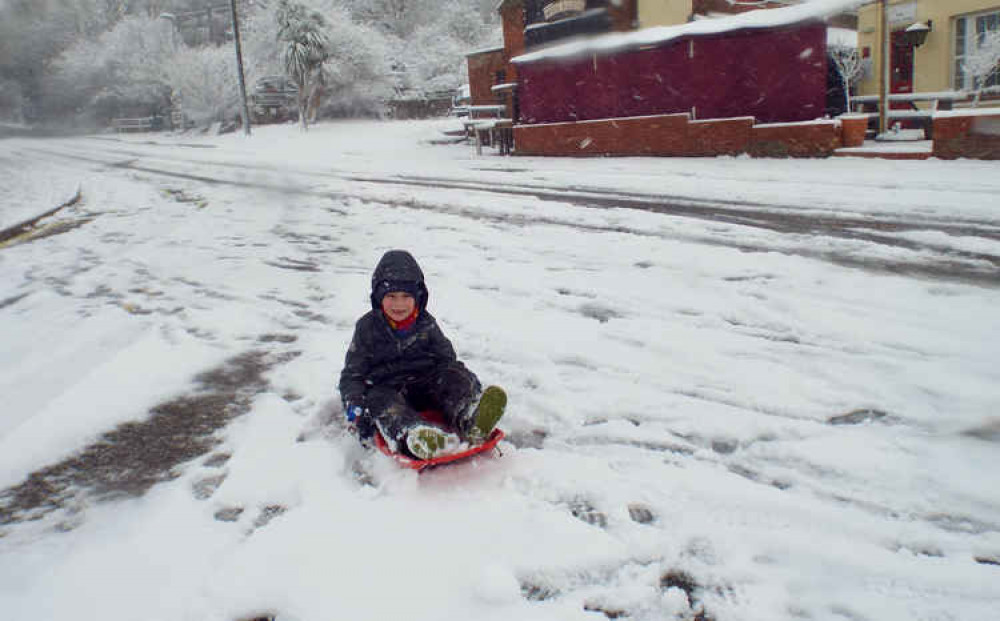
point(656, 91)
point(486, 69)
point(532, 24)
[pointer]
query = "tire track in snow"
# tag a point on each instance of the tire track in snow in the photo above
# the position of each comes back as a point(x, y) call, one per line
point(943, 263)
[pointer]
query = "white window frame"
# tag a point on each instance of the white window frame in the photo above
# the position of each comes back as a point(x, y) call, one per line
point(967, 29)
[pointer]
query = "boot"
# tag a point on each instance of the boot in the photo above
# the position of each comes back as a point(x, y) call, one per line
point(486, 415)
point(427, 442)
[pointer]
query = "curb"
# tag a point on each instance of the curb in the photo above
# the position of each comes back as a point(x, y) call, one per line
point(11, 232)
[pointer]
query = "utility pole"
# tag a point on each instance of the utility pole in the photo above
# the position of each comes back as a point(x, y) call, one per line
point(883, 82)
point(239, 68)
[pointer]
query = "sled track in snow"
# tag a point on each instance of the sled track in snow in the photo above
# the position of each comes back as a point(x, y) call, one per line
point(940, 263)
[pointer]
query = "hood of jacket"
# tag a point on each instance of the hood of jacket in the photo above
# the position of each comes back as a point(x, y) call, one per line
point(398, 271)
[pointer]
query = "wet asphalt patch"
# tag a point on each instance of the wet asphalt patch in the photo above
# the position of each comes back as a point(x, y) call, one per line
point(133, 457)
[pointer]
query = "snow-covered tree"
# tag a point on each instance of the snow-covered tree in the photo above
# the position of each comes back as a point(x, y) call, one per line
point(37, 35)
point(398, 18)
point(432, 58)
point(850, 67)
point(124, 69)
point(304, 37)
point(357, 76)
point(204, 82)
point(66, 56)
point(982, 62)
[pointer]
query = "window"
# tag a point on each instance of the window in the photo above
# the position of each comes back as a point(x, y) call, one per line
point(970, 34)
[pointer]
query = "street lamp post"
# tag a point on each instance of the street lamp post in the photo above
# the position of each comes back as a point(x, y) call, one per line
point(239, 68)
point(883, 83)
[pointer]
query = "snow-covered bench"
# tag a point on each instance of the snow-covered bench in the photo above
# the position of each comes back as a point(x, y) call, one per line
point(141, 124)
point(489, 132)
point(482, 112)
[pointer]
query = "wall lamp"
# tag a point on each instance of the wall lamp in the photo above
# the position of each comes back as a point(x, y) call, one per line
point(916, 34)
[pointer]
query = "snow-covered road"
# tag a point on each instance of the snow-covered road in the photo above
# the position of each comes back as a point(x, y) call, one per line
point(743, 389)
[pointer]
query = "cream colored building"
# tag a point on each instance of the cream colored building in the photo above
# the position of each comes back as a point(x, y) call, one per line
point(663, 12)
point(937, 63)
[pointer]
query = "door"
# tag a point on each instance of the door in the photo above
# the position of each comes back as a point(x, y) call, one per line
point(901, 69)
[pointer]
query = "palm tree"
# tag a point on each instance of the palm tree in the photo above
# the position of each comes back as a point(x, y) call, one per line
point(307, 48)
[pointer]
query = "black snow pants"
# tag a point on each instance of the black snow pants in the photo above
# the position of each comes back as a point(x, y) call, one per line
point(450, 389)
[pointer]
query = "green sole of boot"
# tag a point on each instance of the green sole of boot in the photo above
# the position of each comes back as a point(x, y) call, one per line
point(488, 412)
point(427, 443)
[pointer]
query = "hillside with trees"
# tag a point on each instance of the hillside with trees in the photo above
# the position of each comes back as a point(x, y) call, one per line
point(83, 62)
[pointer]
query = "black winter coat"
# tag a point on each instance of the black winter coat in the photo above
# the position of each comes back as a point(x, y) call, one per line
point(380, 357)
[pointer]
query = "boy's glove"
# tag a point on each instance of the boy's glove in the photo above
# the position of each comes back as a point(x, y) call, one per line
point(353, 412)
point(359, 422)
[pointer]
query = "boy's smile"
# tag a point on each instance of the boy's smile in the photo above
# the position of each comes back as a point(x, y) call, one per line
point(398, 305)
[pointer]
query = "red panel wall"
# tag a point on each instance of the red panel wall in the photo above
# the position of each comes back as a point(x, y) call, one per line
point(775, 75)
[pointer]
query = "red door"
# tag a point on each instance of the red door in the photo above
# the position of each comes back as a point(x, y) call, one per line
point(901, 74)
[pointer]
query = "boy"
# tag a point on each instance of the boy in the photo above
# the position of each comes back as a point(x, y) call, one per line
point(400, 363)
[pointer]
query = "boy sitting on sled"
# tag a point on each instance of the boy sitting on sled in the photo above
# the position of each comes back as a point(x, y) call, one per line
point(400, 364)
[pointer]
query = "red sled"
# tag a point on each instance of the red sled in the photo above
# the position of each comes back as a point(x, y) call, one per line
point(413, 463)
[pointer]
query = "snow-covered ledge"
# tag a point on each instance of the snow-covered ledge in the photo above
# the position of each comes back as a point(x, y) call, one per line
point(563, 8)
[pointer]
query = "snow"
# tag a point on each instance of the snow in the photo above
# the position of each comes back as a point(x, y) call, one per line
point(486, 50)
point(963, 112)
point(817, 122)
point(789, 417)
point(887, 144)
point(31, 193)
point(922, 96)
point(659, 35)
point(706, 121)
point(843, 37)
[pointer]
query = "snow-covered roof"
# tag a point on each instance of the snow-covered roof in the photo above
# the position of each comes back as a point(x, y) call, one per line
point(841, 37)
point(620, 41)
point(487, 50)
point(580, 17)
point(500, 4)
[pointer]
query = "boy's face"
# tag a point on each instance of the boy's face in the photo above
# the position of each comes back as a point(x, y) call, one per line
point(398, 305)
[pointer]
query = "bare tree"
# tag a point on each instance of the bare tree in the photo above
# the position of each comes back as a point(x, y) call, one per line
point(850, 66)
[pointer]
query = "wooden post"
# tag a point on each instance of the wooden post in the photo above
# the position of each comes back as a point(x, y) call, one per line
point(211, 24)
point(883, 82)
point(239, 67)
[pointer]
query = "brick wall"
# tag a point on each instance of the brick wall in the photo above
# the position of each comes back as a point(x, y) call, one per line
point(483, 68)
point(815, 139)
point(512, 19)
point(677, 135)
point(975, 136)
point(658, 135)
point(719, 136)
point(624, 15)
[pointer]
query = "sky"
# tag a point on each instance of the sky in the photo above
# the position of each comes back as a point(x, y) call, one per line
point(753, 389)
